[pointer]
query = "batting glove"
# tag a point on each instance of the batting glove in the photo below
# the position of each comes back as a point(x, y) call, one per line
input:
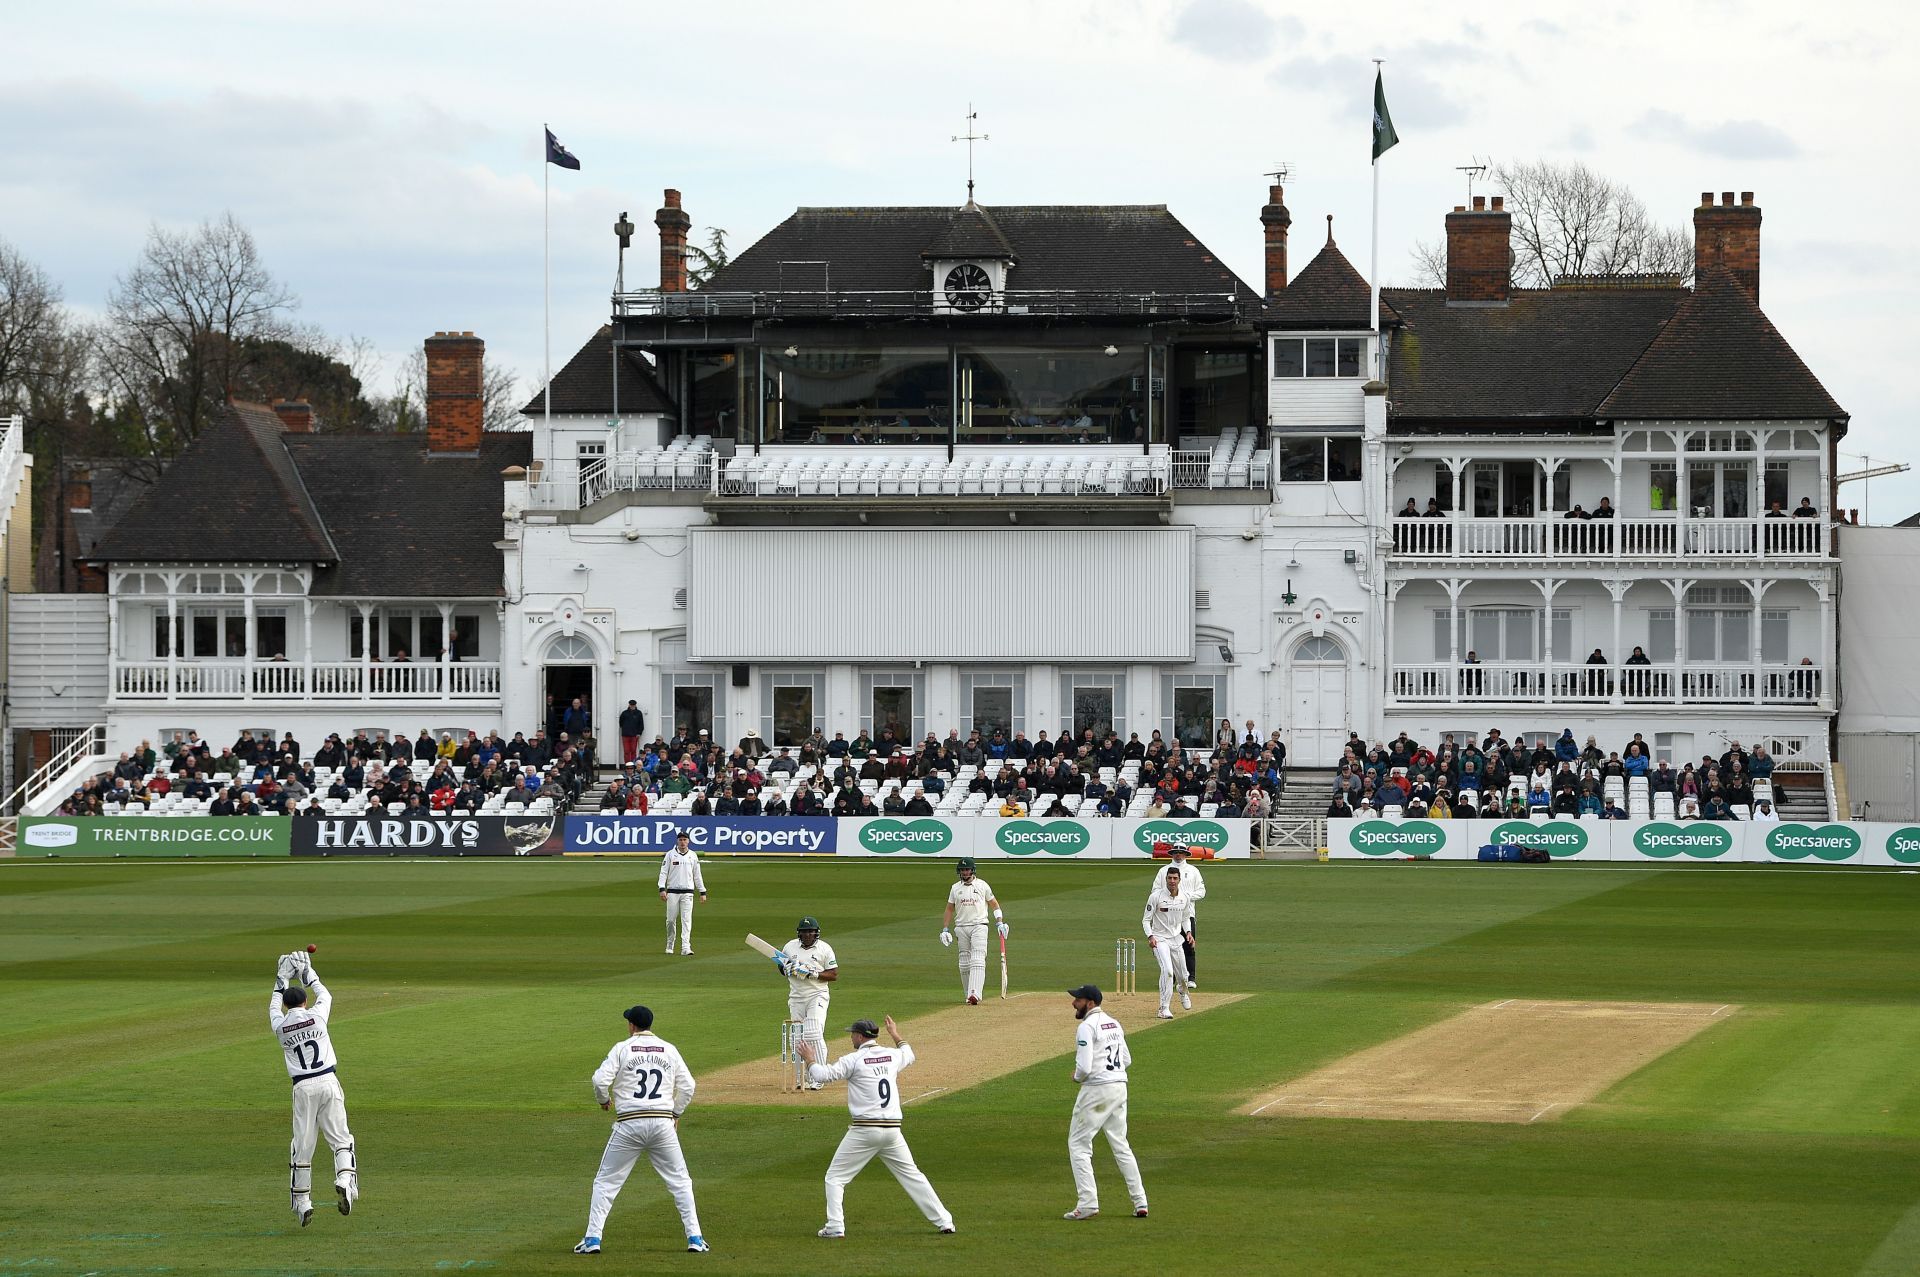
point(1003, 931)
point(946, 939)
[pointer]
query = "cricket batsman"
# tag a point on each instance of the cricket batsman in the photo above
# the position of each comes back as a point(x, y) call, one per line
point(1100, 1064)
point(872, 1075)
point(680, 878)
point(1168, 922)
point(966, 917)
point(646, 1085)
point(319, 1105)
point(810, 967)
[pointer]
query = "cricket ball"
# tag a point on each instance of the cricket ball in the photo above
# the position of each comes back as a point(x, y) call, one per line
point(313, 948)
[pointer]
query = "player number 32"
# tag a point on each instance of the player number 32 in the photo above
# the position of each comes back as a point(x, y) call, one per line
point(641, 1089)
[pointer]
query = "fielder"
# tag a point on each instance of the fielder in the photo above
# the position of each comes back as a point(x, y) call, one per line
point(966, 915)
point(1167, 922)
point(645, 1083)
point(810, 967)
point(318, 1102)
point(1194, 888)
point(872, 1075)
point(680, 877)
point(1100, 1064)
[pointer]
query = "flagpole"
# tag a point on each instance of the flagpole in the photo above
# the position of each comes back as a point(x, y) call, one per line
point(1373, 264)
point(546, 279)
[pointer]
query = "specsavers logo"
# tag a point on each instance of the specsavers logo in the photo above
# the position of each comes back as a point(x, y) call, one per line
point(1181, 833)
point(1903, 845)
point(1663, 840)
point(1406, 838)
point(1555, 837)
point(1057, 838)
point(921, 837)
point(1828, 842)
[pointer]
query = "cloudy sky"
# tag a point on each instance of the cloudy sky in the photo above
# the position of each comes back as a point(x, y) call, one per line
point(387, 156)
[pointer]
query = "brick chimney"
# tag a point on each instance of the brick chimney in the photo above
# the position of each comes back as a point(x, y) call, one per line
point(1479, 258)
point(455, 414)
point(1275, 218)
point(296, 416)
point(1727, 236)
point(673, 224)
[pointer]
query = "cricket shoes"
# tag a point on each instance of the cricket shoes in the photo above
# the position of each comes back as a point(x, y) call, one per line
point(588, 1246)
point(1186, 1002)
point(669, 951)
point(306, 1217)
point(1164, 1014)
point(697, 1244)
point(1080, 1213)
point(831, 1232)
point(973, 1000)
point(346, 1199)
point(948, 1231)
point(1192, 983)
point(1139, 1212)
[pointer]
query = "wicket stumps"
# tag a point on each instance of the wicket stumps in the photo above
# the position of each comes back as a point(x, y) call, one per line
point(793, 1069)
point(1123, 966)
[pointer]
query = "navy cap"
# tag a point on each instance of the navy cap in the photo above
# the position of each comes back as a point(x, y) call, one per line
point(639, 1017)
point(865, 1028)
point(1087, 991)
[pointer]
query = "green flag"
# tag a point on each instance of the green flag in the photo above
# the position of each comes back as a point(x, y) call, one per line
point(1383, 135)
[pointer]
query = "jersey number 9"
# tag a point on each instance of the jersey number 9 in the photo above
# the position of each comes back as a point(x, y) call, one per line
point(886, 1093)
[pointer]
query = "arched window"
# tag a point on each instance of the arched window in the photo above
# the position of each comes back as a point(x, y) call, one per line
point(569, 648)
point(1319, 648)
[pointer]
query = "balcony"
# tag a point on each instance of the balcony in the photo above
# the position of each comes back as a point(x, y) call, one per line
point(825, 302)
point(1443, 683)
point(280, 682)
point(1455, 538)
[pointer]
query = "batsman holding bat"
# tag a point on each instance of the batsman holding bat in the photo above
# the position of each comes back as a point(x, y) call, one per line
point(810, 967)
point(966, 916)
point(319, 1105)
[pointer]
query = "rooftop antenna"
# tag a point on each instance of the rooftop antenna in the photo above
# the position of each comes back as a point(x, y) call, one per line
point(970, 137)
point(1474, 171)
point(1280, 172)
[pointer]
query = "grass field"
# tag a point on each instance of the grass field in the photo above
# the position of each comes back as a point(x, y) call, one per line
point(144, 1105)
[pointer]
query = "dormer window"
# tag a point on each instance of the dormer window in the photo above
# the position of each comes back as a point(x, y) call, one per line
point(1318, 356)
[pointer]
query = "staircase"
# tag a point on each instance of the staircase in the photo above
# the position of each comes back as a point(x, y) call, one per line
point(1298, 811)
point(1801, 796)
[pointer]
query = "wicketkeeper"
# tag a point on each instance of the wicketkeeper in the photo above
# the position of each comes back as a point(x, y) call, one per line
point(319, 1105)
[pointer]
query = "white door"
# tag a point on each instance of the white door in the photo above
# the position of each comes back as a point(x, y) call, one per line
point(1319, 719)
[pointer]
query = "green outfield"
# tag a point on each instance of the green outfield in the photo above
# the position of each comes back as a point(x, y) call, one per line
point(144, 1105)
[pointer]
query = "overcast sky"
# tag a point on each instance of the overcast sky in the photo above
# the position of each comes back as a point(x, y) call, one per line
point(387, 156)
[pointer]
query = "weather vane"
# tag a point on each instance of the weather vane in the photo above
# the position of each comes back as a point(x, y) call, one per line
point(970, 137)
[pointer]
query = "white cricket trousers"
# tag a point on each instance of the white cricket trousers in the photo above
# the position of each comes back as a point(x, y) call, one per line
point(812, 1009)
point(658, 1138)
point(1173, 970)
point(680, 910)
point(861, 1145)
point(320, 1108)
point(1102, 1107)
point(971, 939)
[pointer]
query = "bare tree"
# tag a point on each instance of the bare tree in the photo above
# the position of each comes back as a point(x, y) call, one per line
point(1570, 220)
point(30, 318)
point(186, 322)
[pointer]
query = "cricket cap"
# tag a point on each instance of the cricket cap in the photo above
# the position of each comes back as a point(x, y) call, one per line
point(639, 1017)
point(865, 1028)
point(1086, 991)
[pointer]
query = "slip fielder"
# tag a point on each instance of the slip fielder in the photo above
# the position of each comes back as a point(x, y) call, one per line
point(319, 1105)
point(680, 878)
point(646, 1085)
point(1168, 922)
point(1100, 1064)
point(872, 1075)
point(810, 967)
point(966, 918)
point(1194, 888)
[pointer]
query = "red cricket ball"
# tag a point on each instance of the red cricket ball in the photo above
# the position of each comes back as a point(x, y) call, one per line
point(313, 948)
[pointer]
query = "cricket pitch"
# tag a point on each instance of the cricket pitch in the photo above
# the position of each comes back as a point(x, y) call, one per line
point(1509, 1061)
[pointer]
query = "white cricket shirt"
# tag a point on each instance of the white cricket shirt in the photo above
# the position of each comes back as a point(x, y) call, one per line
point(681, 872)
point(643, 1076)
point(817, 959)
point(1166, 916)
point(303, 1033)
point(1100, 1054)
point(969, 901)
point(872, 1075)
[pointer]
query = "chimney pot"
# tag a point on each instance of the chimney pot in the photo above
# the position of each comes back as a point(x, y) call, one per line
point(296, 416)
point(1726, 199)
point(1746, 198)
point(1479, 203)
point(1499, 203)
point(455, 409)
point(1706, 199)
point(1459, 208)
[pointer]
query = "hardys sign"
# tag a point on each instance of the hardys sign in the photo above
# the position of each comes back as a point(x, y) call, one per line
point(729, 835)
point(423, 836)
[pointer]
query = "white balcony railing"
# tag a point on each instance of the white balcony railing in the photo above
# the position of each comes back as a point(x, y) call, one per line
point(322, 681)
point(1457, 537)
point(1539, 684)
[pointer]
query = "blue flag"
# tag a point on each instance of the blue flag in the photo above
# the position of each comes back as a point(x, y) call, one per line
point(558, 154)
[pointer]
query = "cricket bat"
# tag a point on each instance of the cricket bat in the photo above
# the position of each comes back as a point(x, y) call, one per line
point(765, 950)
point(1003, 968)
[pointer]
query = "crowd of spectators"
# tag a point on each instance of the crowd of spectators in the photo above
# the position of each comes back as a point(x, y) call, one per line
point(1019, 777)
point(1497, 777)
point(398, 775)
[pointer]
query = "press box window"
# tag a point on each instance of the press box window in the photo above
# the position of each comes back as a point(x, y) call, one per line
point(1317, 356)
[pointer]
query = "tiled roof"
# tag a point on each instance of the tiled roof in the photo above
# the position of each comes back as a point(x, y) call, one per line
point(1135, 248)
point(408, 524)
point(1720, 356)
point(584, 387)
point(1547, 355)
point(1327, 293)
point(970, 232)
point(232, 495)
